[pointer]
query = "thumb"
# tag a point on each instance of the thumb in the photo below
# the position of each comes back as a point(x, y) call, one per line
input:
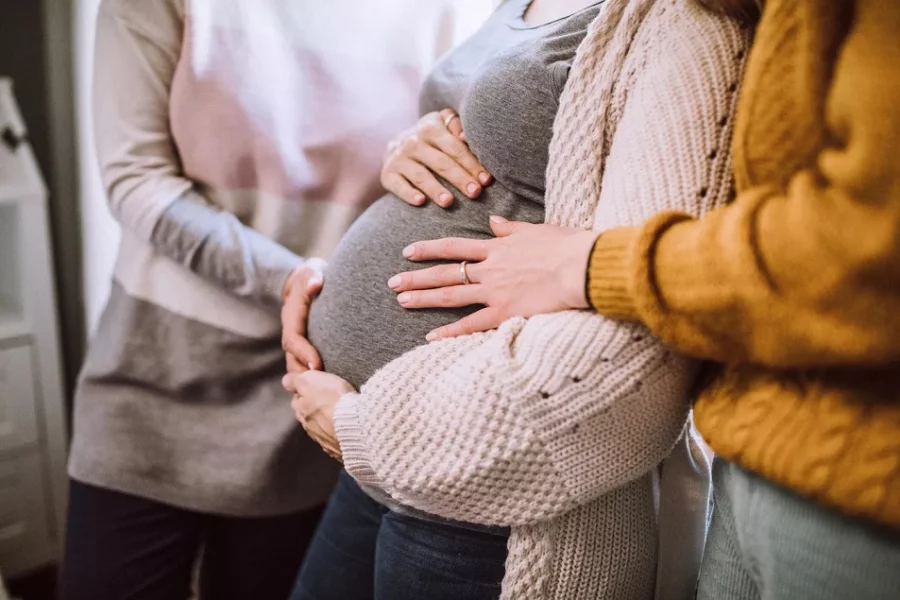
point(314, 285)
point(502, 227)
point(300, 380)
point(316, 276)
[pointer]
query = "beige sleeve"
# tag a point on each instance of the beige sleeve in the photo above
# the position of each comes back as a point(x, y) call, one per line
point(519, 425)
point(137, 49)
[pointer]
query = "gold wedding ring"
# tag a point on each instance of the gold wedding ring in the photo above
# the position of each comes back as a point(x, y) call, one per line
point(449, 119)
point(463, 274)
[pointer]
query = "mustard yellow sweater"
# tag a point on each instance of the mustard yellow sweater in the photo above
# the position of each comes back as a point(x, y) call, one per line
point(795, 286)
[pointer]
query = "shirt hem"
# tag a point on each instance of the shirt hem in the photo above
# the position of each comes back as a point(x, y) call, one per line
point(180, 497)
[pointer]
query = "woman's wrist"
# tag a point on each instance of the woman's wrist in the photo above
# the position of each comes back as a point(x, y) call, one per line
point(586, 289)
point(575, 269)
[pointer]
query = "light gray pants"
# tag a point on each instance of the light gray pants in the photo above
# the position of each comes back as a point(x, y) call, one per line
point(766, 543)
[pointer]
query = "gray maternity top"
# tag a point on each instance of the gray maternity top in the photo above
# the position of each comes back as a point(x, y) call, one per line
point(505, 83)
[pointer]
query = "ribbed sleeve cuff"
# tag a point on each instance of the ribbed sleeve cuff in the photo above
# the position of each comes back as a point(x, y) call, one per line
point(608, 274)
point(354, 449)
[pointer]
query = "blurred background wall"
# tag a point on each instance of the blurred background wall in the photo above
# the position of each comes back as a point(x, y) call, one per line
point(100, 232)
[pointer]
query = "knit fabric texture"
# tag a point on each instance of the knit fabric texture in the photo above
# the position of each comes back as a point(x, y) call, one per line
point(794, 286)
point(555, 425)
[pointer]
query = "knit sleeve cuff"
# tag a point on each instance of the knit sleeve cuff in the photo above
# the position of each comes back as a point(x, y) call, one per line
point(354, 449)
point(608, 274)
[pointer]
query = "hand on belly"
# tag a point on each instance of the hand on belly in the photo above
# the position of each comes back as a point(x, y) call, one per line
point(356, 323)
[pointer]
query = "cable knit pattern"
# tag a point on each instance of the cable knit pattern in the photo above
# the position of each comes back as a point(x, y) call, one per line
point(793, 287)
point(555, 425)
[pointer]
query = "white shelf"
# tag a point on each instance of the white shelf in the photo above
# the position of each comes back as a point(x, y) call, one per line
point(20, 176)
point(32, 414)
point(15, 194)
point(12, 317)
point(25, 540)
point(12, 322)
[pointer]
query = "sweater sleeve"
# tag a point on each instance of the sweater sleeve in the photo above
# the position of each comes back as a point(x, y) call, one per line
point(138, 46)
point(803, 277)
point(519, 425)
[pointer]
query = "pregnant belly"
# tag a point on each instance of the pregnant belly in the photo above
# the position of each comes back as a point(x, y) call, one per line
point(356, 323)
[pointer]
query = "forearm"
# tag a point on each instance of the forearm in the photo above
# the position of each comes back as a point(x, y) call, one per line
point(138, 48)
point(215, 245)
point(758, 281)
point(804, 275)
point(545, 415)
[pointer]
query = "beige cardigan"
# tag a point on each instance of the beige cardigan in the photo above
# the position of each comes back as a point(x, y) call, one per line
point(555, 425)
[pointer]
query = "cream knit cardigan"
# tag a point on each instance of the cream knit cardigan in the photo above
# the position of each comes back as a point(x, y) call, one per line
point(556, 425)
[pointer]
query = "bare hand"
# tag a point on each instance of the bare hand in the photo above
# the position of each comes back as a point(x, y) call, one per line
point(526, 270)
point(315, 396)
point(299, 291)
point(435, 145)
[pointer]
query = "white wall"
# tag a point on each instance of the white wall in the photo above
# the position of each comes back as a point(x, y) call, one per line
point(100, 233)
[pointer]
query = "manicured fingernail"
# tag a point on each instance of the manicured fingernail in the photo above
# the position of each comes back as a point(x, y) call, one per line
point(462, 135)
point(311, 366)
point(472, 188)
point(497, 219)
point(419, 198)
point(394, 282)
point(404, 297)
point(409, 251)
point(484, 178)
point(446, 198)
point(432, 337)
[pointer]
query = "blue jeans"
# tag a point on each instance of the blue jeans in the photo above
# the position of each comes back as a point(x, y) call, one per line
point(363, 551)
